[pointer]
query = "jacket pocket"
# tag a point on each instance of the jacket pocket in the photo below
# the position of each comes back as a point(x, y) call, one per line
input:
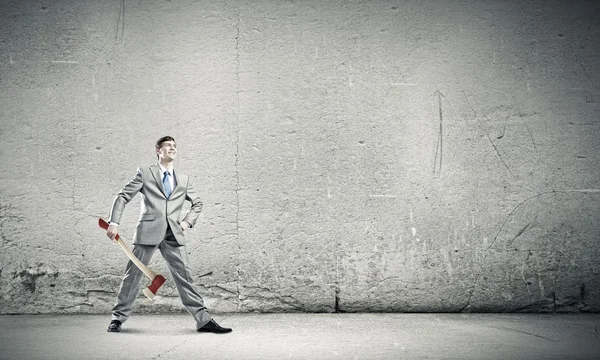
point(147, 217)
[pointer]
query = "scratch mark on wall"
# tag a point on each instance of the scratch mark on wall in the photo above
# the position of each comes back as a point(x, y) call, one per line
point(521, 232)
point(498, 152)
point(513, 210)
point(121, 22)
point(582, 75)
point(531, 136)
point(485, 132)
point(533, 197)
point(437, 162)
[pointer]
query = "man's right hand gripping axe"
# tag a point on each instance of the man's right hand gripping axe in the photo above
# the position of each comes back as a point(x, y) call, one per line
point(157, 280)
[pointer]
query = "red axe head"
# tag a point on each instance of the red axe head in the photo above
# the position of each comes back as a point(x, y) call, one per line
point(151, 290)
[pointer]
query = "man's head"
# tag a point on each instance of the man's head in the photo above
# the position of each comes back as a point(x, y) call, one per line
point(166, 148)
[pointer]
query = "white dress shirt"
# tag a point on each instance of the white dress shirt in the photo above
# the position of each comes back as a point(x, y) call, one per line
point(171, 175)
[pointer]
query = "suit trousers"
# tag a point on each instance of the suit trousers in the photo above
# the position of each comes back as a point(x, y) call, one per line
point(177, 261)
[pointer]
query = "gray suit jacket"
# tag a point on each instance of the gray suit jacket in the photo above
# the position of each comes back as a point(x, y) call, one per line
point(158, 211)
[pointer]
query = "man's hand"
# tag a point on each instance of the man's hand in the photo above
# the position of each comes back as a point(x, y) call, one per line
point(184, 225)
point(112, 231)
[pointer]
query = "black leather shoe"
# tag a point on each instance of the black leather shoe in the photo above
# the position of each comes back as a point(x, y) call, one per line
point(213, 327)
point(115, 326)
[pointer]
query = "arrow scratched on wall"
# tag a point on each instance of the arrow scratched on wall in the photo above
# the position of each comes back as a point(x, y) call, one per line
point(437, 162)
point(121, 21)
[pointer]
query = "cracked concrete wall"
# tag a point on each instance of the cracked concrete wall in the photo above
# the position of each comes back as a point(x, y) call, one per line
point(351, 156)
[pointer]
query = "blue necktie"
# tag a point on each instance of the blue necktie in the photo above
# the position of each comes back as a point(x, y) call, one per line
point(167, 184)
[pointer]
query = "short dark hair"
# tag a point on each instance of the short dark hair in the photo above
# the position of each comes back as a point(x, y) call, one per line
point(162, 140)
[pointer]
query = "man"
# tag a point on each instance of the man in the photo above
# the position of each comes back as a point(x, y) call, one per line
point(163, 194)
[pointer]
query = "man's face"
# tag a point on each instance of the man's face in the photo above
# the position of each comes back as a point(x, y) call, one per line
point(167, 150)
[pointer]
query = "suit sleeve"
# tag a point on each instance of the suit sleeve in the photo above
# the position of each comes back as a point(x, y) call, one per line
point(125, 196)
point(193, 197)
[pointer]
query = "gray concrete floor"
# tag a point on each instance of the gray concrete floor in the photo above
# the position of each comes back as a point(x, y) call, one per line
point(306, 336)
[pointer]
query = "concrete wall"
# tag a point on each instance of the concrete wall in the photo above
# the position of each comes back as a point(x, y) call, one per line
point(351, 155)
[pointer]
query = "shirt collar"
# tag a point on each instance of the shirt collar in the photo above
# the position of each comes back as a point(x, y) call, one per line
point(163, 169)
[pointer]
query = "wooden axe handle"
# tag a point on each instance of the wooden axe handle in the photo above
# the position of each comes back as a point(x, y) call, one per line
point(149, 273)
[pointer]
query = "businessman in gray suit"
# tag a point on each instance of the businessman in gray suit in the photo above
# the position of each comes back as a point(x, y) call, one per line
point(163, 192)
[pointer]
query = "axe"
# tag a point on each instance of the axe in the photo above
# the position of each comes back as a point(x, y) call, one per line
point(157, 280)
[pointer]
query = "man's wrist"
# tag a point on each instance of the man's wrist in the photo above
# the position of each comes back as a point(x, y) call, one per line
point(113, 224)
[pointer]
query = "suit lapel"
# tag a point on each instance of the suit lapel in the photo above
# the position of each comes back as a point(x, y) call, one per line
point(178, 180)
point(156, 173)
